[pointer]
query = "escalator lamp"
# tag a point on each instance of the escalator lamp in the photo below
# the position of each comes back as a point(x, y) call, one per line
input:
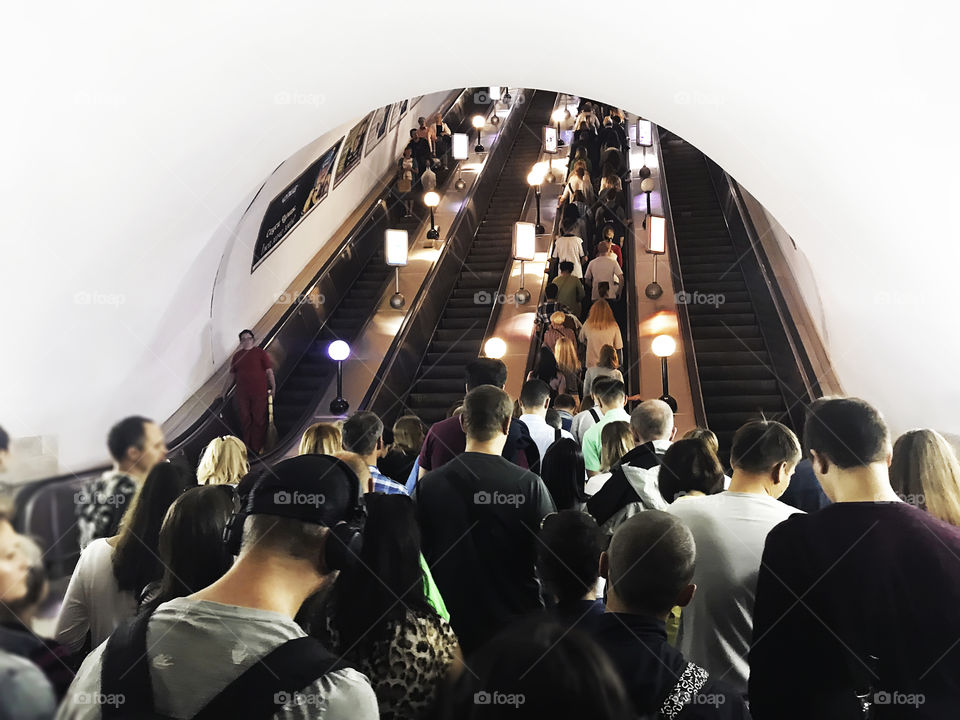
point(495, 348)
point(644, 133)
point(461, 149)
point(549, 139)
point(338, 350)
point(494, 94)
point(663, 346)
point(396, 244)
point(658, 235)
point(524, 241)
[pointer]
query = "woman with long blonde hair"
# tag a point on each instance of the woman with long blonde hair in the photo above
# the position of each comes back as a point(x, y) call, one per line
point(926, 473)
point(569, 364)
point(321, 439)
point(600, 329)
point(223, 462)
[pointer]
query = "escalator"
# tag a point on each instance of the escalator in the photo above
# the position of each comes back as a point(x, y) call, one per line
point(439, 381)
point(737, 376)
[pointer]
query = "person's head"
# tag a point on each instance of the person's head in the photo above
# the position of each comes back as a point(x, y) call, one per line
point(136, 444)
point(925, 472)
point(708, 436)
point(652, 420)
point(564, 402)
point(247, 339)
point(321, 439)
point(580, 170)
point(487, 411)
point(609, 393)
point(558, 318)
point(413, 134)
point(546, 669)
point(616, 440)
point(608, 358)
point(553, 419)
point(551, 292)
point(377, 591)
point(689, 467)
point(14, 564)
point(565, 353)
point(485, 371)
point(649, 565)
point(844, 434)
point(4, 449)
point(600, 316)
point(568, 555)
point(191, 546)
point(766, 450)
point(566, 268)
point(546, 364)
point(563, 472)
point(603, 247)
point(408, 152)
point(408, 433)
point(607, 122)
point(224, 461)
point(362, 434)
point(135, 561)
point(535, 397)
point(421, 121)
point(24, 609)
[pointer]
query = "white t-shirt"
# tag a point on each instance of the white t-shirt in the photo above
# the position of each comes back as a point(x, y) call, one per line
point(729, 529)
point(93, 601)
point(541, 433)
point(570, 248)
point(198, 647)
point(583, 421)
point(604, 268)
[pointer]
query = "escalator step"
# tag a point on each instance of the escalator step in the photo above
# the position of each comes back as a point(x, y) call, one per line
point(726, 359)
point(743, 403)
point(741, 388)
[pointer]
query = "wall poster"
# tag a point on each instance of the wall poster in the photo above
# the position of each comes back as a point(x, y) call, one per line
point(378, 127)
point(352, 151)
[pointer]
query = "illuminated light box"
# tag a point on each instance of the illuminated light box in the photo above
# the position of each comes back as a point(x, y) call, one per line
point(461, 146)
point(524, 241)
point(550, 139)
point(644, 133)
point(658, 235)
point(396, 244)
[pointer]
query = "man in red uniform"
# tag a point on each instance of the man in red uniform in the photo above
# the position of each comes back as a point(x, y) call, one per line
point(253, 371)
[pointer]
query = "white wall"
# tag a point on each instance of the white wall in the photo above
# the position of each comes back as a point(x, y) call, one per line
point(133, 136)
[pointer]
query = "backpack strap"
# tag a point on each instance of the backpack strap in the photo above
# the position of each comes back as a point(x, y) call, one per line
point(557, 433)
point(691, 681)
point(274, 682)
point(125, 671)
point(595, 414)
point(616, 493)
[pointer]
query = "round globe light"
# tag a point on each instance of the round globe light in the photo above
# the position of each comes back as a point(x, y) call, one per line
point(495, 348)
point(338, 350)
point(663, 346)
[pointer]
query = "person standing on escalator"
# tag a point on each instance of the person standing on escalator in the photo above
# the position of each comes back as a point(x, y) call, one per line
point(253, 371)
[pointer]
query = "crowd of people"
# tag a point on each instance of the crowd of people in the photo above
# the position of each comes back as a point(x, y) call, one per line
point(518, 559)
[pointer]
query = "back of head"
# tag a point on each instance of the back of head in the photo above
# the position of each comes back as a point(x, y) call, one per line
point(652, 420)
point(925, 472)
point(566, 354)
point(848, 432)
point(553, 419)
point(608, 357)
point(563, 401)
point(534, 670)
point(689, 466)
point(650, 561)
point(135, 562)
point(708, 436)
point(600, 316)
point(408, 433)
point(609, 392)
point(761, 445)
point(603, 247)
point(562, 470)
point(568, 554)
point(487, 411)
point(534, 394)
point(546, 364)
point(485, 371)
point(551, 291)
point(224, 461)
point(558, 318)
point(566, 267)
point(361, 432)
point(616, 440)
point(129, 432)
point(321, 439)
point(23, 608)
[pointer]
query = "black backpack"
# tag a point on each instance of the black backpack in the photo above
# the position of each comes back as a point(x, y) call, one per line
point(260, 692)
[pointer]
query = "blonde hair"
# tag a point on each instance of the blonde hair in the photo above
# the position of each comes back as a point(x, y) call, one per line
point(616, 440)
point(925, 472)
point(708, 436)
point(566, 353)
point(558, 318)
point(408, 433)
point(223, 462)
point(600, 317)
point(321, 439)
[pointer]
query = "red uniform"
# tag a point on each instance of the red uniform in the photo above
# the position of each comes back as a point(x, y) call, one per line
point(250, 369)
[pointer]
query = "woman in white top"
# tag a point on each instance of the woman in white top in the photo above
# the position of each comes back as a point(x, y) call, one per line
point(569, 247)
point(600, 329)
point(112, 572)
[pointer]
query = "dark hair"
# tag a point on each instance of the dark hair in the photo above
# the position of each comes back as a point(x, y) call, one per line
point(606, 390)
point(135, 561)
point(413, 132)
point(566, 266)
point(651, 559)
point(373, 594)
point(689, 465)
point(564, 401)
point(551, 291)
point(761, 445)
point(129, 432)
point(553, 419)
point(191, 545)
point(486, 410)
point(568, 554)
point(4, 440)
point(848, 432)
point(247, 332)
point(563, 472)
point(361, 431)
point(546, 366)
point(558, 672)
point(485, 371)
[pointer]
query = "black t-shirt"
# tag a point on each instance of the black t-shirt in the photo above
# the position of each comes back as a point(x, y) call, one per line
point(479, 518)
